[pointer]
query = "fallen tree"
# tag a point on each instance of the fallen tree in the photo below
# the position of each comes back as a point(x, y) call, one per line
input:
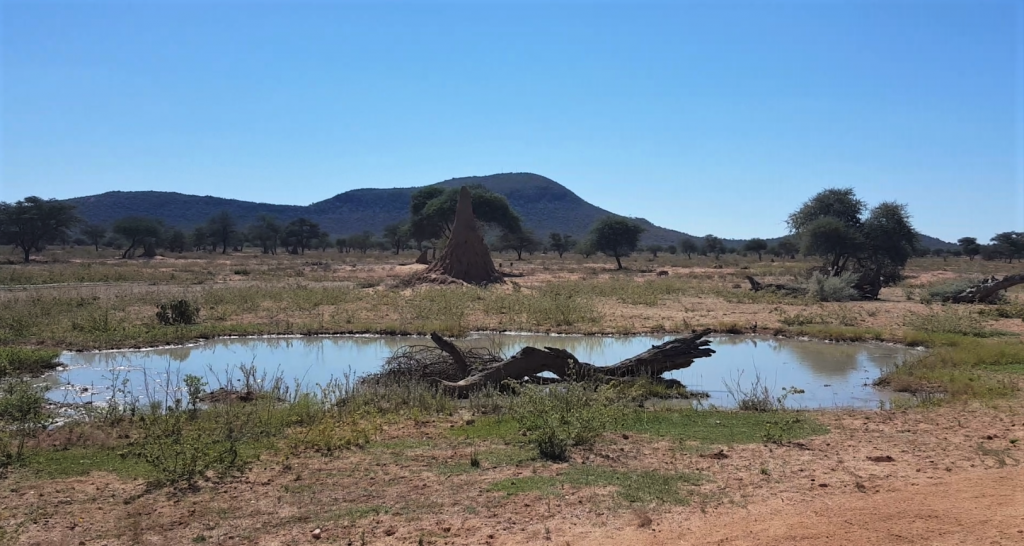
point(987, 291)
point(460, 372)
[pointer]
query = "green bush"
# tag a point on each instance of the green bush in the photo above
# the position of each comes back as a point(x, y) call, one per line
point(177, 312)
point(182, 448)
point(21, 416)
point(28, 360)
point(558, 417)
point(946, 291)
point(827, 288)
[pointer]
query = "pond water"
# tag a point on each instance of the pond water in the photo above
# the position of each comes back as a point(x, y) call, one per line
point(831, 374)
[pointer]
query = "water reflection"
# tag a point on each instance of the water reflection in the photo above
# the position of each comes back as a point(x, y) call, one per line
point(830, 373)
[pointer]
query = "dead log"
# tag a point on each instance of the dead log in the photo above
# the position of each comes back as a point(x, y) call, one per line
point(757, 286)
point(988, 290)
point(530, 362)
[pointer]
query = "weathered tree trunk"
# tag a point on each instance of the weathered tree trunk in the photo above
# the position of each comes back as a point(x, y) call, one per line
point(528, 363)
point(422, 259)
point(465, 258)
point(757, 286)
point(987, 290)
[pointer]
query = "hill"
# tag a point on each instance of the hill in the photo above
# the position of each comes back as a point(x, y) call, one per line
point(545, 206)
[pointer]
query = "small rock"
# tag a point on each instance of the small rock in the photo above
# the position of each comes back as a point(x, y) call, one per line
point(625, 436)
point(316, 534)
point(390, 531)
point(881, 459)
point(822, 485)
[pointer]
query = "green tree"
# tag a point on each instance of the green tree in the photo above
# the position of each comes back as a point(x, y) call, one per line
point(939, 253)
point(362, 242)
point(688, 246)
point(397, 234)
point(787, 247)
point(341, 244)
point(267, 232)
point(713, 246)
point(94, 233)
point(969, 246)
point(519, 242)
point(177, 241)
point(222, 227)
point(33, 222)
point(654, 249)
point(757, 245)
point(136, 231)
point(1010, 244)
point(560, 242)
point(828, 225)
point(432, 212)
point(300, 234)
point(323, 241)
point(586, 247)
point(199, 238)
point(616, 237)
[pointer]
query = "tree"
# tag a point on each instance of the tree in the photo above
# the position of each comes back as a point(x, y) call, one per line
point(1010, 244)
point(397, 234)
point(787, 247)
point(586, 247)
point(432, 212)
point(969, 246)
point(33, 222)
point(136, 231)
point(654, 249)
point(267, 232)
point(221, 227)
point(523, 241)
point(939, 253)
point(362, 241)
point(688, 246)
point(714, 246)
point(341, 244)
point(177, 241)
point(300, 234)
point(830, 225)
point(199, 238)
point(671, 249)
point(94, 234)
point(616, 237)
point(323, 241)
point(757, 245)
point(560, 242)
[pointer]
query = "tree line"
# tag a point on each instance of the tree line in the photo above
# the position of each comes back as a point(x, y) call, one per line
point(833, 224)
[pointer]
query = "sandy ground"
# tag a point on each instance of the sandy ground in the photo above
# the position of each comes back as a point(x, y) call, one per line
point(955, 477)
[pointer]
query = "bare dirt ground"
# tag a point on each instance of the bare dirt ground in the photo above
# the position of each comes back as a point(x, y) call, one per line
point(949, 475)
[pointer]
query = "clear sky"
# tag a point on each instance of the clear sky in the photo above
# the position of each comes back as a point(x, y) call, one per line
point(713, 117)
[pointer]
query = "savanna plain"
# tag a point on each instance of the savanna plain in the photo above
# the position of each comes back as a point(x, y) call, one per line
point(403, 463)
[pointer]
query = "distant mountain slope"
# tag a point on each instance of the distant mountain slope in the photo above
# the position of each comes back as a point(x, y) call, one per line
point(544, 205)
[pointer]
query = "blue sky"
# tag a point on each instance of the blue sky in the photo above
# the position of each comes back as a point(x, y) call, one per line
point(712, 117)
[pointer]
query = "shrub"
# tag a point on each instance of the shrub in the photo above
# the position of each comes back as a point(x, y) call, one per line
point(177, 312)
point(556, 418)
point(21, 416)
point(826, 288)
point(23, 360)
point(181, 448)
point(946, 291)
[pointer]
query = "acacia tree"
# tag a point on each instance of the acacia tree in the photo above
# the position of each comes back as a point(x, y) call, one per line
point(267, 232)
point(33, 222)
point(787, 247)
point(757, 245)
point(432, 212)
point(616, 237)
point(688, 246)
point(519, 242)
point(1010, 244)
point(654, 249)
point(560, 242)
point(362, 242)
point(713, 246)
point(94, 233)
point(137, 231)
point(177, 241)
point(300, 234)
point(397, 234)
point(586, 247)
point(221, 227)
point(969, 246)
point(832, 225)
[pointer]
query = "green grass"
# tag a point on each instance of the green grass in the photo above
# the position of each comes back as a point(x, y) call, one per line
point(686, 425)
point(28, 360)
point(74, 462)
point(961, 321)
point(634, 487)
point(961, 368)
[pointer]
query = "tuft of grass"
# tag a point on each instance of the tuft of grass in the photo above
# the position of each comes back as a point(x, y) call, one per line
point(558, 418)
point(644, 487)
point(968, 369)
point(81, 461)
point(955, 320)
point(28, 360)
point(827, 288)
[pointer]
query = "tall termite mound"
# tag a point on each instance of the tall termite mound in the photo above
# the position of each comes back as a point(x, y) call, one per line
point(465, 257)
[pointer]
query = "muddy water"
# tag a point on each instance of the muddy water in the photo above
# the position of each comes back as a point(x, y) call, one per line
point(830, 374)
